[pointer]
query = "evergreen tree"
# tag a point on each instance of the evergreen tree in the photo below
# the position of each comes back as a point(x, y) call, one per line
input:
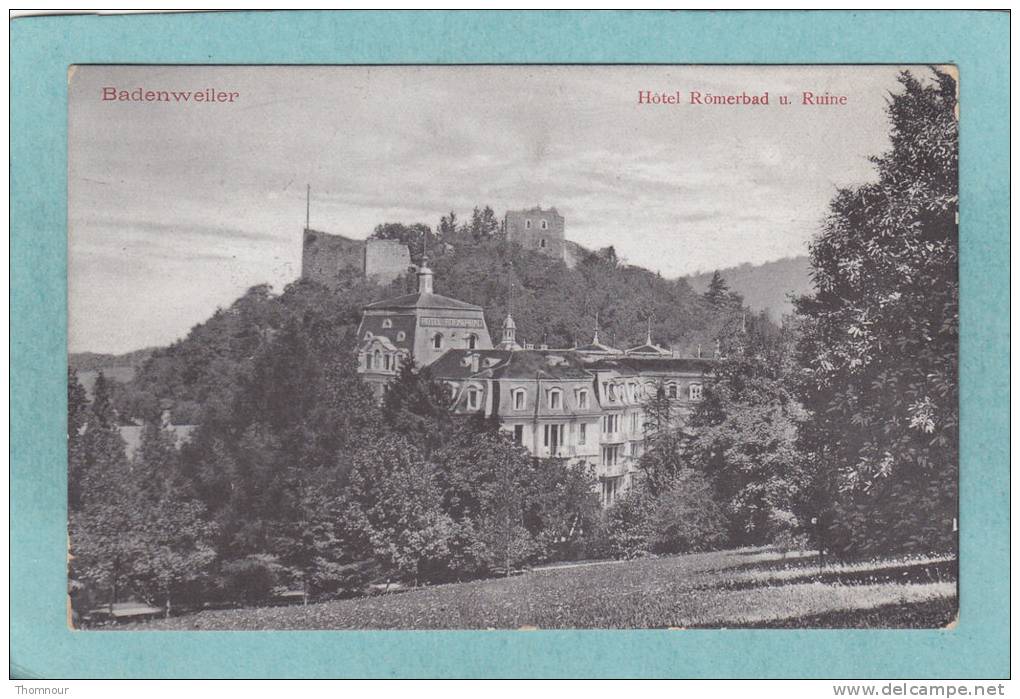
point(665, 443)
point(718, 289)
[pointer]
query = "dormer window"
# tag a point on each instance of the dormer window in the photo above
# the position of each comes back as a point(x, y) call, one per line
point(555, 399)
point(387, 323)
point(368, 336)
point(582, 400)
point(694, 391)
point(401, 336)
point(377, 360)
point(520, 399)
point(437, 341)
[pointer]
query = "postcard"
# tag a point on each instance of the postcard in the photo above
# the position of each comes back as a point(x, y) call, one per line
point(513, 347)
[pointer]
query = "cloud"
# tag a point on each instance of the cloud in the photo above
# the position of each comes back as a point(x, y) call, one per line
point(195, 204)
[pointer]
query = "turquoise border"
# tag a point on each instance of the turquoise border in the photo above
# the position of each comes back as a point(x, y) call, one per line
point(43, 47)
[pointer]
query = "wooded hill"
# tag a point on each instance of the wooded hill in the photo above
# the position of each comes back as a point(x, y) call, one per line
point(551, 303)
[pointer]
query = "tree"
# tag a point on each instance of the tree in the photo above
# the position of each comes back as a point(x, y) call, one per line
point(395, 498)
point(747, 430)
point(665, 443)
point(686, 517)
point(565, 509)
point(718, 289)
point(719, 295)
point(418, 407)
point(881, 340)
point(77, 423)
point(417, 237)
point(489, 485)
point(484, 224)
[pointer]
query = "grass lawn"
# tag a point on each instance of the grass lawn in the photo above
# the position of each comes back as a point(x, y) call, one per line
point(740, 588)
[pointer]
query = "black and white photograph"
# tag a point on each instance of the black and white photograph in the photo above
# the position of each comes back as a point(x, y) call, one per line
point(515, 347)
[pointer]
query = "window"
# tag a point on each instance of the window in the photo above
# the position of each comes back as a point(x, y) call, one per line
point(555, 399)
point(634, 422)
point(520, 399)
point(541, 243)
point(544, 226)
point(582, 400)
point(610, 424)
point(582, 433)
point(437, 341)
point(377, 360)
point(609, 490)
point(401, 336)
point(386, 362)
point(611, 455)
point(552, 437)
point(672, 390)
point(527, 223)
point(472, 399)
point(519, 434)
point(694, 391)
point(387, 323)
point(368, 336)
point(472, 341)
point(611, 392)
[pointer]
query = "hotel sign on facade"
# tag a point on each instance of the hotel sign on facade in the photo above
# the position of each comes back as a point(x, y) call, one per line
point(430, 322)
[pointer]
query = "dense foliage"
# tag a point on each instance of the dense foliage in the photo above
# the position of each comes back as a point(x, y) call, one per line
point(881, 335)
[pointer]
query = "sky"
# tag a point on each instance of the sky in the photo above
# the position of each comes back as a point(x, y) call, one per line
point(176, 209)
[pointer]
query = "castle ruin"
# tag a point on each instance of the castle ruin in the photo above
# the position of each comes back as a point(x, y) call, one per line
point(536, 229)
point(327, 258)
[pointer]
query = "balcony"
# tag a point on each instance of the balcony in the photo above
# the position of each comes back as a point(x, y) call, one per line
point(613, 470)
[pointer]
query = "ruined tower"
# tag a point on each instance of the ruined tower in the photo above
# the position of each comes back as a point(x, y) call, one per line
point(536, 229)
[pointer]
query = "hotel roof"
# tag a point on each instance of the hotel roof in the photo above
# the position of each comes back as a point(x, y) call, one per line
point(422, 300)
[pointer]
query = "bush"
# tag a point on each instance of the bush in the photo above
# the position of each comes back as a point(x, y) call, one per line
point(622, 532)
point(685, 517)
point(250, 580)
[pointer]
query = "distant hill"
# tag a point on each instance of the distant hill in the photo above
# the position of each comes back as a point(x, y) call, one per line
point(94, 361)
point(119, 367)
point(764, 287)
